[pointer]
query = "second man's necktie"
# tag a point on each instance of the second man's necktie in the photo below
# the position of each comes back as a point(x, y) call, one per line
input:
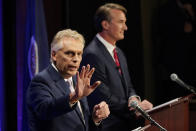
point(117, 61)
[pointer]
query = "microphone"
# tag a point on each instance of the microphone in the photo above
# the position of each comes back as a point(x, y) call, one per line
point(174, 77)
point(135, 105)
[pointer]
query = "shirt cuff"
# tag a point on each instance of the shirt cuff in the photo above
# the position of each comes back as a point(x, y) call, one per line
point(97, 123)
point(138, 97)
point(72, 104)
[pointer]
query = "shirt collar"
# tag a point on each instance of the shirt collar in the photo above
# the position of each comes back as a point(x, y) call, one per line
point(108, 46)
point(70, 79)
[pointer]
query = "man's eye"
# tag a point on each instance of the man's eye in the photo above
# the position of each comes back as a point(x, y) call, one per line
point(69, 53)
point(79, 54)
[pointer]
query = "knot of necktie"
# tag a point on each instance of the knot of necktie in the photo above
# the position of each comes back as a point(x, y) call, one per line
point(69, 81)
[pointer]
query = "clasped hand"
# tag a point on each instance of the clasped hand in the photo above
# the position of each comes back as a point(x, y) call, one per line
point(100, 112)
point(145, 105)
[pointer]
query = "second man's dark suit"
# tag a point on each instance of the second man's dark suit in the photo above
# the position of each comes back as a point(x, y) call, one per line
point(115, 89)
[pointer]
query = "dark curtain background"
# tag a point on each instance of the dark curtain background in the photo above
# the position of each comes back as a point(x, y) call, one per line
point(9, 63)
point(173, 49)
point(1, 73)
point(78, 15)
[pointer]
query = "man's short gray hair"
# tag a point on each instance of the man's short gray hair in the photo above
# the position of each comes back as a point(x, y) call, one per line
point(57, 42)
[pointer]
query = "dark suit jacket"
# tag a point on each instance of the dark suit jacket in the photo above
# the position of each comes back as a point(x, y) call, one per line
point(48, 104)
point(115, 88)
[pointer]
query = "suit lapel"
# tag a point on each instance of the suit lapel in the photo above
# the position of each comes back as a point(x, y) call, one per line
point(120, 57)
point(107, 56)
point(111, 61)
point(64, 87)
point(81, 103)
point(123, 68)
point(78, 112)
point(59, 80)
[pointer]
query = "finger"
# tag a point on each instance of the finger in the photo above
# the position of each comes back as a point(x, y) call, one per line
point(97, 111)
point(150, 105)
point(96, 107)
point(87, 71)
point(91, 72)
point(138, 114)
point(96, 84)
point(78, 76)
point(103, 107)
point(101, 104)
point(146, 106)
point(102, 113)
point(82, 72)
point(131, 109)
point(88, 67)
point(77, 81)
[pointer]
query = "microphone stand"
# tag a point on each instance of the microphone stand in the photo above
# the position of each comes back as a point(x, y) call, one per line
point(153, 122)
point(134, 104)
point(157, 124)
point(191, 89)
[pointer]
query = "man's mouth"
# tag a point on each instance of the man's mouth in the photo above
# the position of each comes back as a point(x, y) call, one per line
point(73, 68)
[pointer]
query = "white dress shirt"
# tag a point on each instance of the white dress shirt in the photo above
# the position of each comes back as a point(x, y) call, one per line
point(108, 46)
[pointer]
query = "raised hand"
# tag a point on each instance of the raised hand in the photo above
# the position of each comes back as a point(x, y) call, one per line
point(83, 87)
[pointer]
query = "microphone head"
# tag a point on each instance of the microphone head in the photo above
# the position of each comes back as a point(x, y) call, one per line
point(134, 104)
point(173, 77)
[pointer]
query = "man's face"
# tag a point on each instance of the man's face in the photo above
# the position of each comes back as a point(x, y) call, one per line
point(67, 59)
point(117, 25)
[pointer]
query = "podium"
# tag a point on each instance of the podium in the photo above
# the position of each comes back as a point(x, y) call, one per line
point(176, 115)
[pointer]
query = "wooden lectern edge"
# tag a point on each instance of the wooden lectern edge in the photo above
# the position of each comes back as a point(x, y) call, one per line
point(142, 128)
point(145, 127)
point(171, 103)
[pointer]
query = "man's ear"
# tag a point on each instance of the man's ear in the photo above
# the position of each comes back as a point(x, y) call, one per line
point(105, 25)
point(53, 55)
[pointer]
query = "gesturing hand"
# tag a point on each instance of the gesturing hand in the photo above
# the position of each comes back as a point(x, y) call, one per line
point(100, 112)
point(83, 87)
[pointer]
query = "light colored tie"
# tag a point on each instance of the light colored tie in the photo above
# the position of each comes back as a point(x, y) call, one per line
point(78, 103)
point(71, 85)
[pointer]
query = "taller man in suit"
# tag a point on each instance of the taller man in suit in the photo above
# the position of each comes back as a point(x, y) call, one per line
point(111, 69)
point(56, 97)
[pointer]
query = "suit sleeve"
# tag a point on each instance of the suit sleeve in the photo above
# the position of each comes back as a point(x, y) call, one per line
point(40, 99)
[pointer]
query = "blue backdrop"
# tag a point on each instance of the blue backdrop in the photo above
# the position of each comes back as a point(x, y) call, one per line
point(35, 55)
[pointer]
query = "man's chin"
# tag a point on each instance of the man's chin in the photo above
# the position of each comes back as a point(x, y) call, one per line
point(72, 73)
point(121, 38)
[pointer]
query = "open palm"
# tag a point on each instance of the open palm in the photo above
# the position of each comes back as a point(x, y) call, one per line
point(83, 87)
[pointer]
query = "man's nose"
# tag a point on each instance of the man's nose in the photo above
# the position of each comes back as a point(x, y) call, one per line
point(76, 58)
point(125, 27)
